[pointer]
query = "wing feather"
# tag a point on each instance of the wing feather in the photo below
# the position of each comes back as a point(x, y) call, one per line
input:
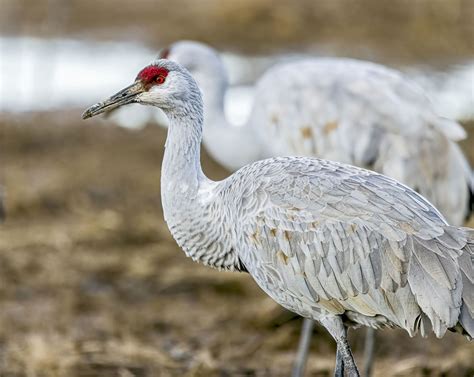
point(342, 238)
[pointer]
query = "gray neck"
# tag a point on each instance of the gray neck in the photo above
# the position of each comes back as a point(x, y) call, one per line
point(181, 162)
point(187, 197)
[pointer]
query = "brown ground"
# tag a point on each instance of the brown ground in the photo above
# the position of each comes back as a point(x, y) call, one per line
point(92, 283)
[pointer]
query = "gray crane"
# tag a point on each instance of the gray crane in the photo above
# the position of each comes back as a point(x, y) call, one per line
point(339, 109)
point(332, 242)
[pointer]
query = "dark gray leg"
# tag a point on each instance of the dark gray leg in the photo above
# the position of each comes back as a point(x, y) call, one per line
point(339, 372)
point(369, 351)
point(303, 348)
point(349, 364)
point(337, 330)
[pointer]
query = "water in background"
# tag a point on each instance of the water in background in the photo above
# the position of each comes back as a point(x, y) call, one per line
point(47, 74)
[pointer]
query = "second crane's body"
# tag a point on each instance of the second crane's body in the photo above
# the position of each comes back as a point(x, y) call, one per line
point(366, 115)
point(344, 110)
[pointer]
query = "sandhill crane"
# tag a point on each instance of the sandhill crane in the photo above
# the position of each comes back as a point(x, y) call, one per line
point(332, 242)
point(344, 110)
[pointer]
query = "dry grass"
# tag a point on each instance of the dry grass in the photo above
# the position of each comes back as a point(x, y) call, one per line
point(93, 285)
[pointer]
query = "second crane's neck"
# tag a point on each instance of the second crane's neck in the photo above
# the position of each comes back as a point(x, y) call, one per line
point(214, 88)
point(231, 145)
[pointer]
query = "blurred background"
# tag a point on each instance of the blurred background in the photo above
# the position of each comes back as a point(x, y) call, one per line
point(91, 282)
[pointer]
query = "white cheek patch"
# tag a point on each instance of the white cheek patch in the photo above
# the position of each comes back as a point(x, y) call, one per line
point(146, 97)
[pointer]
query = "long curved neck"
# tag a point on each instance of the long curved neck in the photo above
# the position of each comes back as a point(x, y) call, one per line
point(181, 170)
point(187, 196)
point(232, 146)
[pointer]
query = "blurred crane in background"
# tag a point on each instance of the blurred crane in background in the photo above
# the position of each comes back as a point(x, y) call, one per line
point(344, 110)
point(329, 241)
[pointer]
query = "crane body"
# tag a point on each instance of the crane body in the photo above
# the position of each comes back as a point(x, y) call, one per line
point(332, 242)
point(346, 110)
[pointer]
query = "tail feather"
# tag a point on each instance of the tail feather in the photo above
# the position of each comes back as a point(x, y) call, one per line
point(450, 128)
point(467, 323)
point(466, 263)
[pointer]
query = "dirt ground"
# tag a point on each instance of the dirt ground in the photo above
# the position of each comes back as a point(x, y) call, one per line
point(92, 283)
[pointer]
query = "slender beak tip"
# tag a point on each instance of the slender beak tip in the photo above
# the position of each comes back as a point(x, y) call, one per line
point(90, 112)
point(124, 97)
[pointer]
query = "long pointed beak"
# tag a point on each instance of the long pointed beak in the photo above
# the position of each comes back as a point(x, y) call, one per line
point(125, 96)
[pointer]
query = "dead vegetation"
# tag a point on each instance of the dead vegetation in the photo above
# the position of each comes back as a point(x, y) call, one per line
point(93, 285)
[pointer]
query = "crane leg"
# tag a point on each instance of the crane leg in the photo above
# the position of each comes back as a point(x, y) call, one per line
point(369, 351)
point(338, 331)
point(303, 348)
point(339, 371)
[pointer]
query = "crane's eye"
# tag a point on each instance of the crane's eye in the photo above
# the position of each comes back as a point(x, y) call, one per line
point(160, 79)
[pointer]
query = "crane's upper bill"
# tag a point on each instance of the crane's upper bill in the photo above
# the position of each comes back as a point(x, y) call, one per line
point(125, 96)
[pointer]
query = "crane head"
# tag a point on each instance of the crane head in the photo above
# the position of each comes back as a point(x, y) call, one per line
point(163, 84)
